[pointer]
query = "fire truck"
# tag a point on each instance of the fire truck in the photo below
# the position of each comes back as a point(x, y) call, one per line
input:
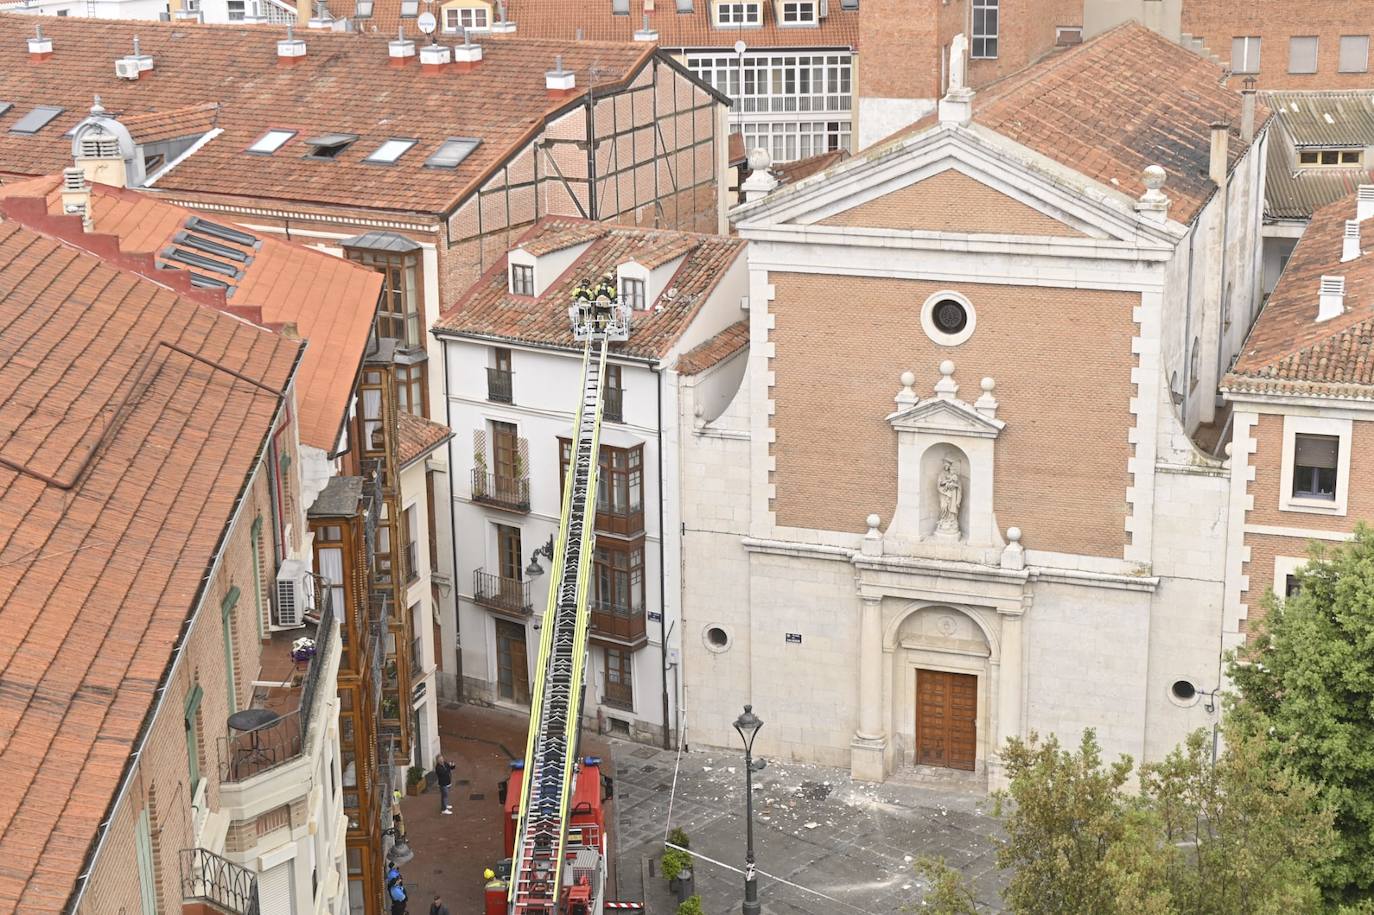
point(555, 828)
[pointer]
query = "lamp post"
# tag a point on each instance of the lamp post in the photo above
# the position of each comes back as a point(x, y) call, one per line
point(748, 725)
point(534, 570)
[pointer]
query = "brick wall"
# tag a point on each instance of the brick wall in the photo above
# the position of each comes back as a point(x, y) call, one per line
point(1275, 22)
point(1260, 569)
point(1061, 361)
point(1268, 462)
point(951, 202)
point(163, 769)
point(1026, 33)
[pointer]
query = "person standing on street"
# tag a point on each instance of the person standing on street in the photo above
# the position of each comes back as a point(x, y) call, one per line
point(437, 907)
point(443, 774)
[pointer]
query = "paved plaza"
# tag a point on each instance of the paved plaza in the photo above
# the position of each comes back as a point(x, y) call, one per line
point(852, 843)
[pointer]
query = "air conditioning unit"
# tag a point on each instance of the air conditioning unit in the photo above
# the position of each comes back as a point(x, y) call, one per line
point(126, 68)
point(293, 594)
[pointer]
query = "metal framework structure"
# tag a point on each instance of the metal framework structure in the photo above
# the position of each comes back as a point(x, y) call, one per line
point(551, 761)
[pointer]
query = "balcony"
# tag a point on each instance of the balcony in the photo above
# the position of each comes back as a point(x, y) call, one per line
point(507, 595)
point(499, 385)
point(510, 493)
point(280, 715)
point(613, 405)
point(209, 883)
point(618, 625)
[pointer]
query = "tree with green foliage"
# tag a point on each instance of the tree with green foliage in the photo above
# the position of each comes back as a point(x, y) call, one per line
point(948, 893)
point(1306, 688)
point(1238, 836)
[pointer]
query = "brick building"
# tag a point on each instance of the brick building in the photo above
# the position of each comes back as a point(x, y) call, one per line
point(511, 367)
point(1283, 44)
point(1302, 393)
point(426, 176)
point(162, 743)
point(962, 498)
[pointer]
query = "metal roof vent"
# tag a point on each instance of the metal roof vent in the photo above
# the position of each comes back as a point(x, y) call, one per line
point(467, 55)
point(647, 33)
point(400, 48)
point(145, 61)
point(560, 83)
point(1331, 298)
point(1364, 202)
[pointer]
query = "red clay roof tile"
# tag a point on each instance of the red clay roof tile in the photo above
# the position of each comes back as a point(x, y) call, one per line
point(715, 350)
point(417, 437)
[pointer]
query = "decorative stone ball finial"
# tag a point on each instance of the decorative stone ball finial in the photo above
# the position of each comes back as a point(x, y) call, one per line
point(1014, 555)
point(987, 403)
point(908, 379)
point(946, 387)
point(873, 540)
point(97, 108)
point(906, 397)
point(947, 367)
point(987, 385)
point(760, 160)
point(1014, 534)
point(873, 521)
point(1154, 177)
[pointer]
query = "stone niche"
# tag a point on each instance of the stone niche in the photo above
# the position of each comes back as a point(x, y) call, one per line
point(946, 462)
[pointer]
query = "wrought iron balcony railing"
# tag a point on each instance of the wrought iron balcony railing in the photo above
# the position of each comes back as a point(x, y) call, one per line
point(205, 876)
point(499, 385)
point(502, 491)
point(508, 594)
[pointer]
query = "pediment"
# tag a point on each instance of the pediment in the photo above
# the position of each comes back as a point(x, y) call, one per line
point(946, 417)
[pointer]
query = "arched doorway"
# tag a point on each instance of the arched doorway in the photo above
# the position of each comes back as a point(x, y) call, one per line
point(942, 674)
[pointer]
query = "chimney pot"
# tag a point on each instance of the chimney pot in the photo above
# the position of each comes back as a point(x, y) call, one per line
point(467, 55)
point(434, 58)
point(1247, 115)
point(647, 33)
point(1350, 247)
point(1331, 298)
point(399, 49)
point(290, 48)
point(1364, 202)
point(559, 82)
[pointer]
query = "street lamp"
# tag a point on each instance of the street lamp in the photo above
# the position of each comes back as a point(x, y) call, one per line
point(534, 569)
point(748, 726)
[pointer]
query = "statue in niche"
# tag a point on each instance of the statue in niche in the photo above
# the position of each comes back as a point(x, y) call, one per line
point(951, 492)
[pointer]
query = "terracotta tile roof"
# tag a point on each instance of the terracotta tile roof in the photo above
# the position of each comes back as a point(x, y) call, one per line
point(502, 102)
point(1287, 350)
point(559, 241)
point(99, 574)
point(716, 350)
point(738, 154)
point(561, 19)
point(488, 310)
point(172, 124)
point(417, 437)
point(664, 250)
point(789, 172)
point(1112, 106)
point(332, 302)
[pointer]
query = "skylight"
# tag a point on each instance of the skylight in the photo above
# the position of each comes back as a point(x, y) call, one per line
point(363, 10)
point(224, 233)
point(36, 119)
point(329, 145)
point(410, 9)
point(5, 106)
point(390, 151)
point(271, 141)
point(453, 151)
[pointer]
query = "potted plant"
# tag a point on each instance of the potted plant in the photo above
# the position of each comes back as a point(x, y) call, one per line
point(690, 906)
point(674, 862)
point(415, 777)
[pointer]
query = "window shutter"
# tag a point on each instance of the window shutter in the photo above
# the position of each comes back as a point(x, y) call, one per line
point(1354, 54)
point(1316, 451)
point(1302, 55)
point(147, 876)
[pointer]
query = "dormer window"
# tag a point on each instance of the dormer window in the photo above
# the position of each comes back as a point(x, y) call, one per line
point(632, 292)
point(738, 12)
point(410, 9)
point(1331, 158)
point(329, 145)
point(798, 12)
point(463, 18)
point(522, 279)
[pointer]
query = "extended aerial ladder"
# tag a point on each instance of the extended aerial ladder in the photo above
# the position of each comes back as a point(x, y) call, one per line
point(558, 863)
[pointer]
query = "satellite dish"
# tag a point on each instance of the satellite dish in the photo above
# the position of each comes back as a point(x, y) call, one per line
point(427, 23)
point(740, 47)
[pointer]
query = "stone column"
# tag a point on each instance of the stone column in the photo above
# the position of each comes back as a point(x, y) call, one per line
point(869, 743)
point(1009, 693)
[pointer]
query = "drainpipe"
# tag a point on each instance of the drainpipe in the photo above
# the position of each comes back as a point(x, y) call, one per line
point(452, 533)
point(662, 568)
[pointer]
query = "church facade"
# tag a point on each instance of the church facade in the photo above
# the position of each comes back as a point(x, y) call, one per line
point(982, 357)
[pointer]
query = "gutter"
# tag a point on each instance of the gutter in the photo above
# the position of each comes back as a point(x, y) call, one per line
point(662, 567)
point(452, 529)
point(174, 663)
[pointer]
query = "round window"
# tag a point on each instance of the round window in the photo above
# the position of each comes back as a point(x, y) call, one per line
point(717, 637)
point(1183, 690)
point(950, 316)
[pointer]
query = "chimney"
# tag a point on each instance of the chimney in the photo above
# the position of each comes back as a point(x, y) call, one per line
point(761, 181)
point(1247, 111)
point(76, 196)
point(502, 26)
point(560, 83)
point(1331, 298)
point(467, 55)
point(1364, 202)
point(434, 58)
point(957, 105)
point(1350, 247)
point(1216, 164)
point(647, 33)
point(290, 48)
point(400, 49)
point(40, 48)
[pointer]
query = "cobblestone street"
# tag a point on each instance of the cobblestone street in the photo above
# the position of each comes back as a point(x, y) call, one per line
point(853, 842)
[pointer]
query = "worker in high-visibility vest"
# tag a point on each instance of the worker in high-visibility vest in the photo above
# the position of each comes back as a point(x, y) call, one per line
point(494, 892)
